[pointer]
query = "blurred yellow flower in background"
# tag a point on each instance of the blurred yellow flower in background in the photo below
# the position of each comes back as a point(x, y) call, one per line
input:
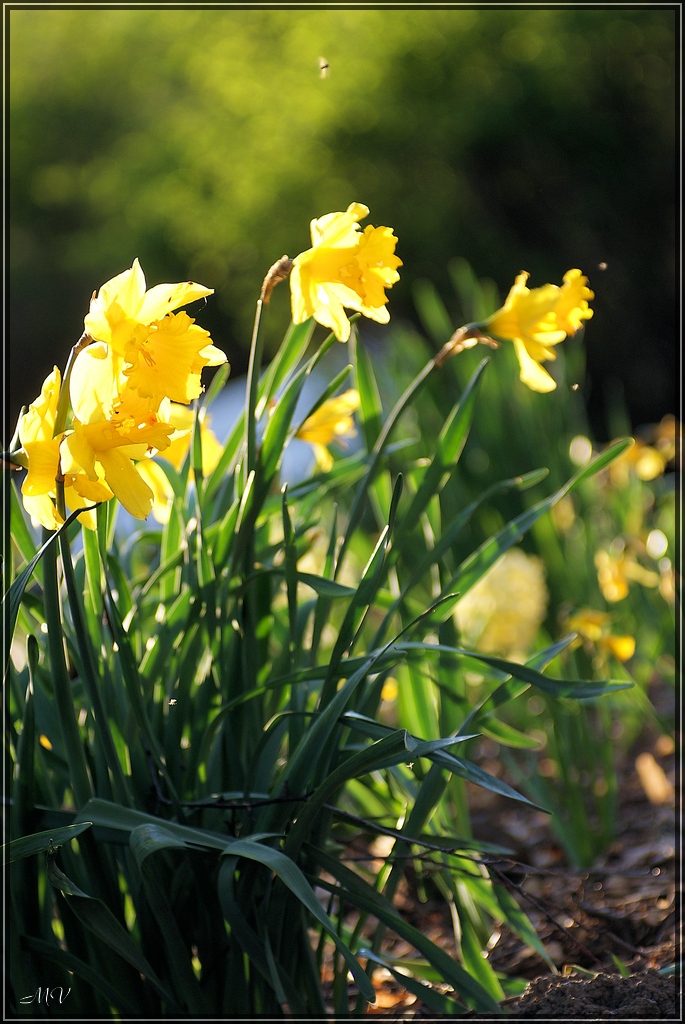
point(332, 421)
point(595, 627)
point(345, 268)
point(537, 319)
point(503, 612)
point(617, 568)
point(657, 446)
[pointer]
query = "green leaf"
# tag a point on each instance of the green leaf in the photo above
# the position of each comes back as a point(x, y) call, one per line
point(447, 452)
point(40, 842)
point(123, 820)
point(325, 587)
point(370, 408)
point(430, 997)
point(293, 878)
point(477, 564)
point(99, 919)
point(355, 890)
point(114, 996)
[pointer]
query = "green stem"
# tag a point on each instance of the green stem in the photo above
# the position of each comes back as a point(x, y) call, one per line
point(66, 712)
point(63, 400)
point(63, 411)
point(256, 352)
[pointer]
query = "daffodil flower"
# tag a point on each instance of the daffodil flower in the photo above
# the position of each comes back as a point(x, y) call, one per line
point(42, 451)
point(121, 312)
point(332, 421)
point(537, 319)
point(169, 361)
point(106, 451)
point(345, 268)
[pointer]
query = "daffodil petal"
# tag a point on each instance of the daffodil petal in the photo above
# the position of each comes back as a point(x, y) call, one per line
point(532, 373)
point(165, 298)
point(126, 483)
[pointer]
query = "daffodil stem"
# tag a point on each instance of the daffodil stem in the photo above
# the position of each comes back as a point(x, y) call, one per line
point(63, 411)
point(64, 701)
point(256, 352)
point(63, 401)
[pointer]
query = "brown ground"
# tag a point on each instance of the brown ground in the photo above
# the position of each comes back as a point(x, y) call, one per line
point(608, 930)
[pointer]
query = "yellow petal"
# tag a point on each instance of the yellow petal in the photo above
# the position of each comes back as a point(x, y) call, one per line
point(171, 360)
point(165, 298)
point(43, 468)
point(531, 373)
point(96, 379)
point(126, 290)
point(38, 422)
point(41, 509)
point(572, 307)
point(163, 493)
point(126, 483)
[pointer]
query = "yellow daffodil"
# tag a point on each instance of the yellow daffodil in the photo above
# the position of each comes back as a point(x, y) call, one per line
point(42, 451)
point(595, 627)
point(182, 419)
point(537, 319)
point(332, 421)
point(345, 268)
point(169, 361)
point(162, 353)
point(651, 453)
point(106, 451)
point(123, 309)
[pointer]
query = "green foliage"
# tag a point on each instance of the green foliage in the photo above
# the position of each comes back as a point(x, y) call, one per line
point(627, 510)
point(206, 726)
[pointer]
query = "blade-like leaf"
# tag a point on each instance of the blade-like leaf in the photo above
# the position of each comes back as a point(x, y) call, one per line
point(293, 878)
point(39, 842)
point(99, 919)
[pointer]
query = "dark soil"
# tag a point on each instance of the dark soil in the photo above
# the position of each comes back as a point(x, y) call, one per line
point(608, 930)
point(648, 996)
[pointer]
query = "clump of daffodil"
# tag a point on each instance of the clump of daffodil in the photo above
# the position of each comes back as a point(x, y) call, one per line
point(136, 355)
point(594, 630)
point(346, 268)
point(534, 320)
point(503, 612)
point(332, 421)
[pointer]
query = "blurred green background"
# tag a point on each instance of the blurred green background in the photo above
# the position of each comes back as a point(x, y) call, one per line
point(204, 141)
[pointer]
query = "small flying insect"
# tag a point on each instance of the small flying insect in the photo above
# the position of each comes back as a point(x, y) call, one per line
point(323, 67)
point(172, 702)
point(602, 266)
